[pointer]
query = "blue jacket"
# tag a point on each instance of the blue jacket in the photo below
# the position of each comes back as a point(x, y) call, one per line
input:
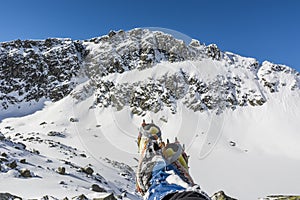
point(159, 186)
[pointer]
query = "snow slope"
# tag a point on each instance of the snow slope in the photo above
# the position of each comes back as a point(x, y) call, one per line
point(265, 155)
point(69, 149)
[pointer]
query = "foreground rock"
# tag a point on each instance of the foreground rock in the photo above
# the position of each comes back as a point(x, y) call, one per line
point(221, 196)
point(106, 197)
point(7, 196)
point(281, 197)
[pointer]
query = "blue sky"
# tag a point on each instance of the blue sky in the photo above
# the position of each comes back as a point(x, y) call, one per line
point(263, 29)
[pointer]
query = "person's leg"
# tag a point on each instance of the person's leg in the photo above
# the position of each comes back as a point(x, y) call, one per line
point(188, 195)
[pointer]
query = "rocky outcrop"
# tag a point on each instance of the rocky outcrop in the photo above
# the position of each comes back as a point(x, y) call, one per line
point(276, 77)
point(61, 170)
point(26, 173)
point(136, 49)
point(33, 70)
point(97, 188)
point(2, 137)
point(198, 95)
point(88, 170)
point(8, 196)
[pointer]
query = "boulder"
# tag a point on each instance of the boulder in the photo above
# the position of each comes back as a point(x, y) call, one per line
point(72, 119)
point(55, 133)
point(111, 33)
point(97, 188)
point(221, 196)
point(4, 154)
point(43, 123)
point(20, 146)
point(80, 197)
point(61, 170)
point(2, 137)
point(12, 164)
point(108, 197)
point(88, 170)
point(25, 173)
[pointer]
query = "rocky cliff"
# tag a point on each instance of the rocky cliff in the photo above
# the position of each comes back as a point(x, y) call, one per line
point(34, 70)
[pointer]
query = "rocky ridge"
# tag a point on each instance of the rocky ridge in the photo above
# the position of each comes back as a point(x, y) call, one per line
point(137, 50)
point(35, 70)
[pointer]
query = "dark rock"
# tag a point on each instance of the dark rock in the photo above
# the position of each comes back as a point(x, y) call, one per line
point(2, 137)
point(17, 134)
point(25, 173)
point(213, 51)
point(20, 146)
point(45, 197)
point(111, 33)
point(61, 170)
point(4, 154)
point(35, 151)
point(82, 155)
point(221, 196)
point(8, 196)
point(88, 170)
point(9, 128)
point(12, 164)
point(23, 161)
point(74, 119)
point(80, 197)
point(62, 183)
point(108, 197)
point(232, 143)
point(55, 133)
point(3, 159)
point(97, 188)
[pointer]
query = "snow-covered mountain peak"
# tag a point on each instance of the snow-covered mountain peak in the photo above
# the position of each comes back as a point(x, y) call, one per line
point(276, 76)
point(136, 49)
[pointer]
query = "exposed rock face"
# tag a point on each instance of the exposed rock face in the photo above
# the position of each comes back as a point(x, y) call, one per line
point(97, 188)
point(35, 70)
point(138, 48)
point(32, 70)
point(142, 49)
point(270, 77)
point(196, 94)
